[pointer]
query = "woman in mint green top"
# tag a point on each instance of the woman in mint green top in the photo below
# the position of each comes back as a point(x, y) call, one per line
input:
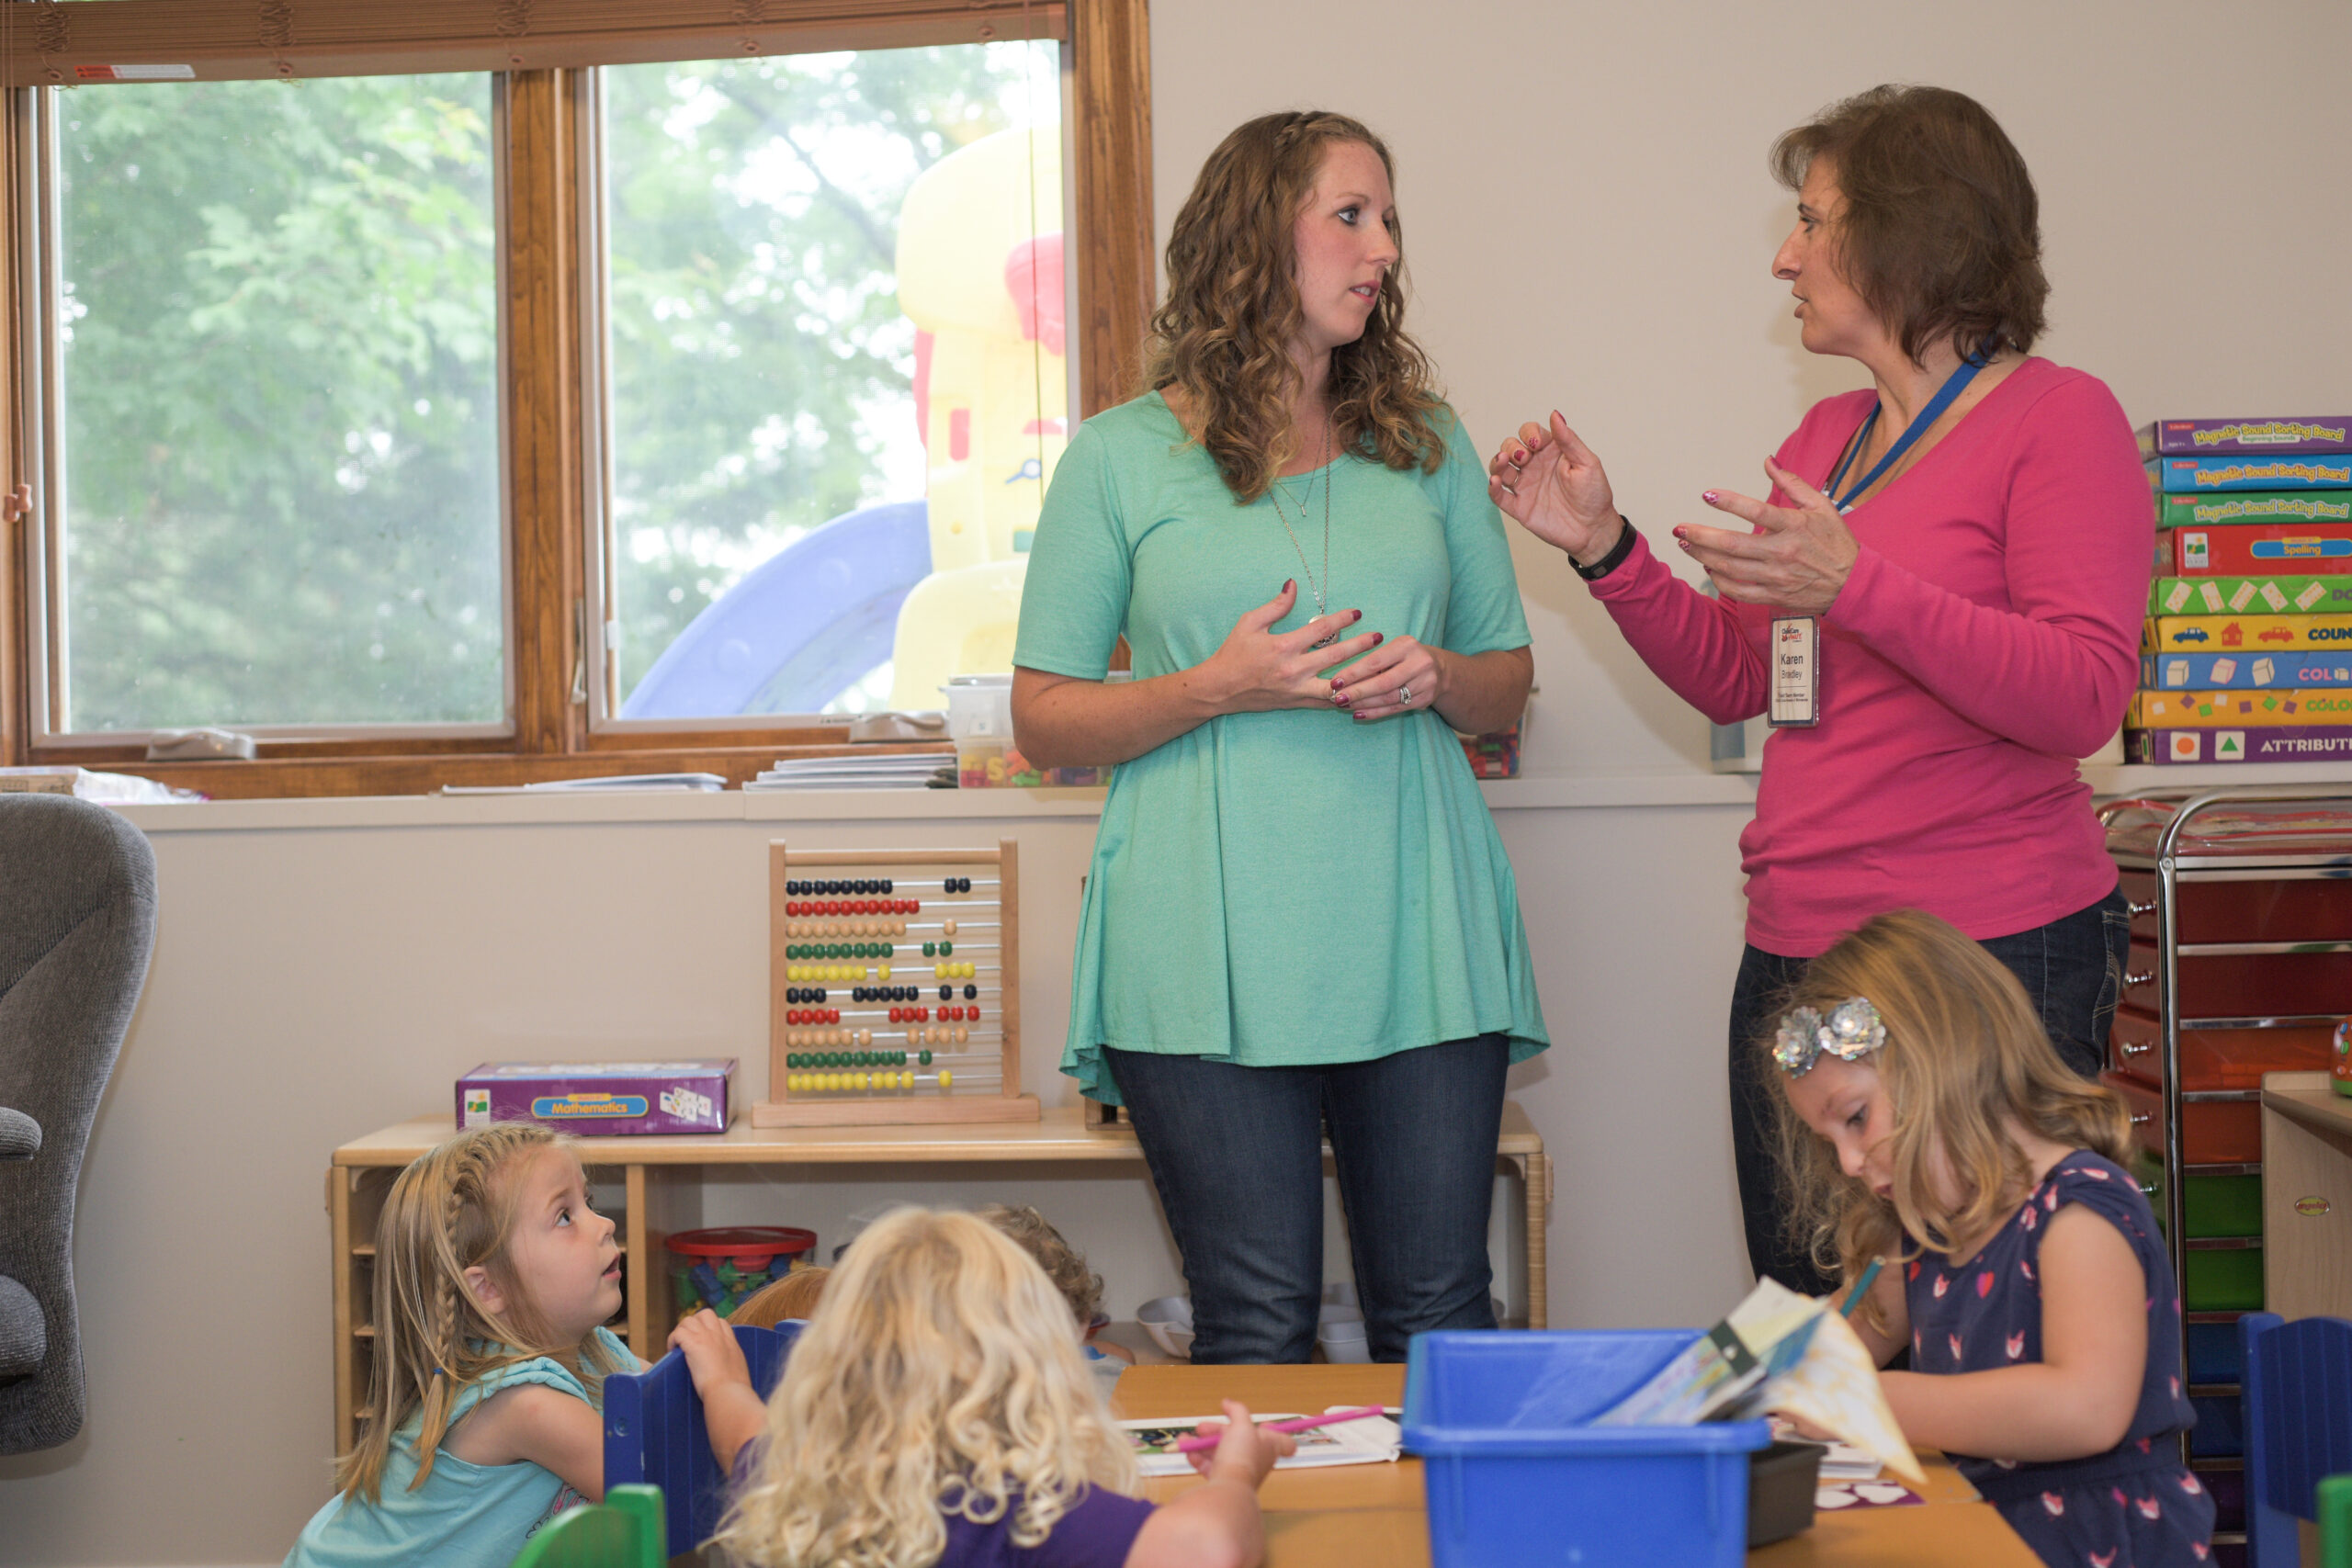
point(1299, 916)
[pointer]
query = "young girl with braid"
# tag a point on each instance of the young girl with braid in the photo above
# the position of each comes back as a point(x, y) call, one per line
point(494, 1281)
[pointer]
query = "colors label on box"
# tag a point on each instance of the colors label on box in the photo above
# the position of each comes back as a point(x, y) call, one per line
point(2202, 672)
point(2212, 634)
point(2208, 710)
point(2240, 596)
point(2314, 744)
point(2175, 475)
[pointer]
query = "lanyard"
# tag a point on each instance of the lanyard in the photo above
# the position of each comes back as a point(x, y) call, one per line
point(1954, 384)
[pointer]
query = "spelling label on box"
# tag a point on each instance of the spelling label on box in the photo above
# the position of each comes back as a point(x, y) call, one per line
point(601, 1099)
point(2254, 549)
point(2260, 634)
point(2238, 672)
point(2174, 475)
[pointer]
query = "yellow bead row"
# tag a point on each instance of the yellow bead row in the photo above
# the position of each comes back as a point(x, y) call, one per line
point(952, 969)
point(853, 974)
point(820, 1083)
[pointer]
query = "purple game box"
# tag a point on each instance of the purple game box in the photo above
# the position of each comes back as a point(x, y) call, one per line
point(599, 1098)
point(2219, 437)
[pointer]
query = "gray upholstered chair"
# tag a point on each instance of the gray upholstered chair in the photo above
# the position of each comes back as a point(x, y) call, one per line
point(77, 921)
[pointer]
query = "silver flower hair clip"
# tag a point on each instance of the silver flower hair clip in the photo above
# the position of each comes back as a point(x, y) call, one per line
point(1853, 1030)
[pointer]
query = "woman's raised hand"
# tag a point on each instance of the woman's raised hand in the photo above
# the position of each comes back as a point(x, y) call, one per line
point(1258, 668)
point(1551, 484)
point(1799, 561)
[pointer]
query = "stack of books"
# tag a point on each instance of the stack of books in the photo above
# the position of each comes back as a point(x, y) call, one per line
point(2246, 656)
point(889, 769)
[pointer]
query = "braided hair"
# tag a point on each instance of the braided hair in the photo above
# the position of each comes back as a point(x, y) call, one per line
point(451, 1210)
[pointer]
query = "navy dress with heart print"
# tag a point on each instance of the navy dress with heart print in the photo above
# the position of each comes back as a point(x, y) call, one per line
point(2135, 1506)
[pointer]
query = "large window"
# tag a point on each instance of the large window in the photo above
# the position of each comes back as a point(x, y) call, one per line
point(278, 340)
point(587, 404)
point(805, 257)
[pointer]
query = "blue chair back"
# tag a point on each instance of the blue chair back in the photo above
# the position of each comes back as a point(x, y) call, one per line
point(2298, 1404)
point(654, 1433)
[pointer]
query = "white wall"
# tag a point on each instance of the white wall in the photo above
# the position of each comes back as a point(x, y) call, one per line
point(1589, 222)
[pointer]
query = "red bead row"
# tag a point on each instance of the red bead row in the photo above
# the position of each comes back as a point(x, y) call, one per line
point(813, 1015)
point(853, 907)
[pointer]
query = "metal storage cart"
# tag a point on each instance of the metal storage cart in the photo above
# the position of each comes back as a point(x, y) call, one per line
point(2241, 965)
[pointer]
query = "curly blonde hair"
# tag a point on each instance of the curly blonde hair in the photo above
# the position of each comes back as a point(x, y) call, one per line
point(939, 1376)
point(1965, 1056)
point(1224, 334)
point(451, 1210)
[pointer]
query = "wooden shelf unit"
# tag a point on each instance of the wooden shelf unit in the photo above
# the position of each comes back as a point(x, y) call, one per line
point(662, 1177)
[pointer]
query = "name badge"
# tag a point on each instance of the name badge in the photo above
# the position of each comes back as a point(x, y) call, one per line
point(1796, 671)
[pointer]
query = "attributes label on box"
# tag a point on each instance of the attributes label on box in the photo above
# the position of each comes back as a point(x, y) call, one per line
point(2249, 745)
point(2239, 672)
point(2257, 506)
point(2240, 596)
point(2195, 475)
point(2213, 710)
point(2206, 634)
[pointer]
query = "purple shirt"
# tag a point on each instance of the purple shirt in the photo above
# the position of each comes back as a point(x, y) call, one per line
point(1098, 1533)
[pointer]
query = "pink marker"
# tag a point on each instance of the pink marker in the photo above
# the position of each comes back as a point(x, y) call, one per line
point(1304, 1423)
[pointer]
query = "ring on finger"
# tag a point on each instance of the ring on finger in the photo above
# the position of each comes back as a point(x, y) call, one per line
point(1404, 694)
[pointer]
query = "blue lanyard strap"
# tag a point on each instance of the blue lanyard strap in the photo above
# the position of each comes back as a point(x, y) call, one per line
point(1954, 384)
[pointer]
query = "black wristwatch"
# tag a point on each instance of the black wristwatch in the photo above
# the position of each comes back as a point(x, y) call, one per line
point(1614, 559)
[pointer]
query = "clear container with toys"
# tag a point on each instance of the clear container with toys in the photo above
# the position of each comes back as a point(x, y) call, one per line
point(720, 1267)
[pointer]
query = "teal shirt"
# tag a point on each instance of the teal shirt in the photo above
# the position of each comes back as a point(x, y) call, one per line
point(465, 1516)
point(1287, 889)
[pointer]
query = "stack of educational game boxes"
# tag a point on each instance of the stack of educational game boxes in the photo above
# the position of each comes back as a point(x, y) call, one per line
point(2246, 656)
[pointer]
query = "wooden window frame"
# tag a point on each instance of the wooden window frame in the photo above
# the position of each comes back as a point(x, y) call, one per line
point(544, 49)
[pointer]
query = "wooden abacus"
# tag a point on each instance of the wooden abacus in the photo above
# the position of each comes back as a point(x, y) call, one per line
point(868, 1026)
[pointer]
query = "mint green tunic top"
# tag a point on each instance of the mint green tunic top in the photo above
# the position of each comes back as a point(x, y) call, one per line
point(465, 1516)
point(1288, 888)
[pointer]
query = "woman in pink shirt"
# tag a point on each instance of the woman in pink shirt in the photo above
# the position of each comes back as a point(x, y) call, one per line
point(1973, 595)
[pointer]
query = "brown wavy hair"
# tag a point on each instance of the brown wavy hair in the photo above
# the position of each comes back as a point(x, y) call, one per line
point(1965, 1054)
point(1941, 234)
point(1224, 334)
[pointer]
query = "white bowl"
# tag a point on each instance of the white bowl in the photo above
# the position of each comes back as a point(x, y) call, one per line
point(1168, 1321)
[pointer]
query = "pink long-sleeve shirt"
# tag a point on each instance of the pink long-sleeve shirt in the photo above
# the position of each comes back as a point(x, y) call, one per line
point(1988, 637)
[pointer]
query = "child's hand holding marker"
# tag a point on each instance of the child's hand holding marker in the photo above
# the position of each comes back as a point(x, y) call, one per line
point(1242, 1450)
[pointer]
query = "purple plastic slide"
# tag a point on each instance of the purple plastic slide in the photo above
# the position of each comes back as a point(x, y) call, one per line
point(799, 628)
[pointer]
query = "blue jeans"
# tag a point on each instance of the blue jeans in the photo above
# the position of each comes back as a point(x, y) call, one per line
point(1237, 1155)
point(2073, 970)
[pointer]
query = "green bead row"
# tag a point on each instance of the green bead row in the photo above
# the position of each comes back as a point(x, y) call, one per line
point(938, 949)
point(798, 1059)
point(839, 950)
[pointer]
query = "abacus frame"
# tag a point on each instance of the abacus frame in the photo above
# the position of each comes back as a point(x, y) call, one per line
point(784, 1108)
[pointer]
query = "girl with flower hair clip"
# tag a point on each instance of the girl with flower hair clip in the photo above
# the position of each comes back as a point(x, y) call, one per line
point(494, 1281)
point(1926, 1118)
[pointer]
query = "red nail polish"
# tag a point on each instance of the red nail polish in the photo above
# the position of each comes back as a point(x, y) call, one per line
point(1359, 617)
point(1379, 637)
point(1708, 496)
point(1342, 698)
point(1289, 583)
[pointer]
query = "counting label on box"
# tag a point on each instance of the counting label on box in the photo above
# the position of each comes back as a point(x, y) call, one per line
point(894, 988)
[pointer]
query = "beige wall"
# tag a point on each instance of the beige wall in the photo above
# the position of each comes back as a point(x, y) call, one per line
point(1589, 224)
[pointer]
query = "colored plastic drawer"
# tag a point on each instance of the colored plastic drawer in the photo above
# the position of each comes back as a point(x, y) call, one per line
point(2224, 1132)
point(2220, 1431)
point(2211, 1206)
point(2247, 911)
point(2255, 985)
point(2225, 1280)
point(2217, 1058)
point(2215, 1354)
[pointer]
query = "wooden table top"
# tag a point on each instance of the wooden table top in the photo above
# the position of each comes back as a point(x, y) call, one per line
point(2307, 1097)
point(1371, 1516)
point(1060, 1134)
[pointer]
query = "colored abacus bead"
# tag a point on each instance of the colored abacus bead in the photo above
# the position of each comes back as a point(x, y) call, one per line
point(946, 1079)
point(946, 949)
point(925, 1058)
point(947, 928)
point(970, 992)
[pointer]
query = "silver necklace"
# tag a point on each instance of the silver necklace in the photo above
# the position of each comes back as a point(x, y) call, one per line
point(1314, 587)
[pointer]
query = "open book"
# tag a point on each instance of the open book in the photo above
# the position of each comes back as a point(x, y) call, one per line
point(1777, 1351)
point(1372, 1441)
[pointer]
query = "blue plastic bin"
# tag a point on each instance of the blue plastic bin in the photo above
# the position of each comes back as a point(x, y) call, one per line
point(1566, 1493)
